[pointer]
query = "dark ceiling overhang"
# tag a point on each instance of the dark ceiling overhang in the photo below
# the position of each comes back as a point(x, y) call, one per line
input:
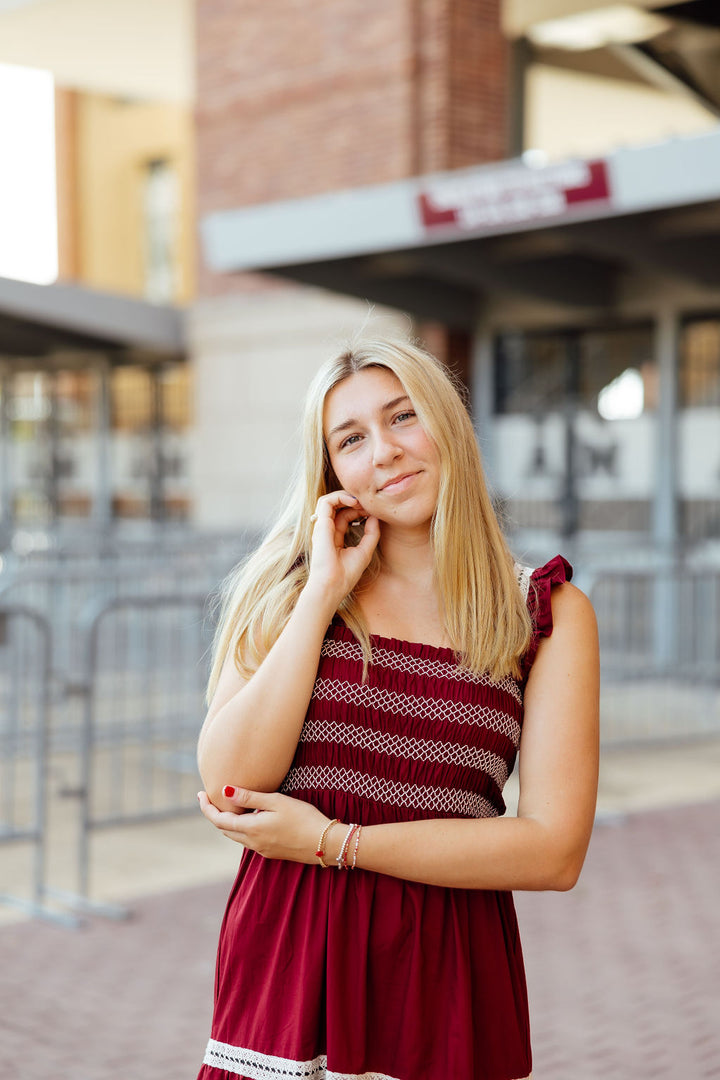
point(40, 320)
point(437, 246)
point(678, 52)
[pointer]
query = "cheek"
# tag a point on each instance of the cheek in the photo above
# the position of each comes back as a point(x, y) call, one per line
point(346, 472)
point(427, 449)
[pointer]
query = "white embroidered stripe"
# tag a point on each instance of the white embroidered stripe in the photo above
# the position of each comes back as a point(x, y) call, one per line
point(446, 753)
point(417, 665)
point(257, 1066)
point(393, 792)
point(458, 712)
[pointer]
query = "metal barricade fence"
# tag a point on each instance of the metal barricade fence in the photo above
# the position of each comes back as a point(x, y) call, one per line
point(660, 653)
point(64, 586)
point(142, 694)
point(25, 649)
point(136, 688)
point(107, 685)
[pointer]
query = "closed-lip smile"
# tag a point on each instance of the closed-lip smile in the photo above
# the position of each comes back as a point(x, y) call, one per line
point(397, 480)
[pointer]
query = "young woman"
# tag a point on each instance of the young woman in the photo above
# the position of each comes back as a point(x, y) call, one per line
point(376, 662)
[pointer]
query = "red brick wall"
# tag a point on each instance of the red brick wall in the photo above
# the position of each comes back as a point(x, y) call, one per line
point(478, 76)
point(297, 97)
point(461, 85)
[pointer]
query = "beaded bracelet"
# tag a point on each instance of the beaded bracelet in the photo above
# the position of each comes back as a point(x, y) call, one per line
point(357, 845)
point(342, 857)
point(320, 853)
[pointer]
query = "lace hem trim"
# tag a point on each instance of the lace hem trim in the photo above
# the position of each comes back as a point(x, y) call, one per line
point(257, 1066)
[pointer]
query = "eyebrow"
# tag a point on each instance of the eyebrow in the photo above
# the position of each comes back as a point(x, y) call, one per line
point(352, 422)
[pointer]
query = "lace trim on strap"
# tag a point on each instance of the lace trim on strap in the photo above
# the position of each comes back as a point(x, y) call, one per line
point(523, 575)
point(257, 1066)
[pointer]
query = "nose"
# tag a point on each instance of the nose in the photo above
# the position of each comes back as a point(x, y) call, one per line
point(385, 449)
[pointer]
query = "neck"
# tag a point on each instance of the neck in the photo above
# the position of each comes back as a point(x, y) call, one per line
point(407, 554)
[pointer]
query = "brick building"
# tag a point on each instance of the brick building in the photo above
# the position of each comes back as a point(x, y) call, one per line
point(298, 100)
point(529, 186)
point(573, 289)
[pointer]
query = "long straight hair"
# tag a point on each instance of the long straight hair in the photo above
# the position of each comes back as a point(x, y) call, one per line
point(484, 614)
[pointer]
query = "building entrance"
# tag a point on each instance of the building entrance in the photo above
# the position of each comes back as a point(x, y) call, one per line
point(85, 442)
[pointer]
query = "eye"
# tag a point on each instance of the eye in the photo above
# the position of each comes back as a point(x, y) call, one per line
point(406, 415)
point(349, 441)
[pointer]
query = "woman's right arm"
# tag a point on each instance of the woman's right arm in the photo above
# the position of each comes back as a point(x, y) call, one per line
point(252, 727)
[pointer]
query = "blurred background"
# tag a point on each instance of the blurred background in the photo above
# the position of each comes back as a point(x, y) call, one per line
point(199, 200)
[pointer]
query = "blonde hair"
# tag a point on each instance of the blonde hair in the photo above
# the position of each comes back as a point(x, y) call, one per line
point(485, 616)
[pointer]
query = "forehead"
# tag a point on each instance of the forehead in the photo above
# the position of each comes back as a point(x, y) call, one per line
point(365, 391)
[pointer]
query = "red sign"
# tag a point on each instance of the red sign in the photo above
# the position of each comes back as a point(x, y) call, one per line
point(511, 194)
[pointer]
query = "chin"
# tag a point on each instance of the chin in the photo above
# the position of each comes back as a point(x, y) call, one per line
point(406, 521)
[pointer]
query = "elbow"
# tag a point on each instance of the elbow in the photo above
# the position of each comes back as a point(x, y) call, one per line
point(205, 774)
point(215, 788)
point(559, 857)
point(216, 776)
point(212, 782)
point(565, 880)
point(566, 873)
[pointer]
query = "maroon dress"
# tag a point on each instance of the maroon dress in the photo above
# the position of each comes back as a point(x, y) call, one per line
point(328, 975)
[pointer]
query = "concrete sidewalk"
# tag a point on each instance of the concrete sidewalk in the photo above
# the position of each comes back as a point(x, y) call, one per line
point(621, 971)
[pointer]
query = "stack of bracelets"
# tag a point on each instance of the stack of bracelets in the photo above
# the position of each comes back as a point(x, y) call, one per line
point(342, 859)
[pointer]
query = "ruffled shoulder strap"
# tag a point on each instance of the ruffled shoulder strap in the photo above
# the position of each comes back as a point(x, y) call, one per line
point(536, 587)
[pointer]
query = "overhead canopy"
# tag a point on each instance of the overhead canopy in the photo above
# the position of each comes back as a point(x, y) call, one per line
point(39, 320)
point(433, 245)
point(672, 45)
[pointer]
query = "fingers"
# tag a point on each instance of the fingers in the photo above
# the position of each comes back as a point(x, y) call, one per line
point(371, 535)
point(231, 824)
point(284, 828)
point(340, 509)
point(329, 505)
point(346, 517)
point(250, 800)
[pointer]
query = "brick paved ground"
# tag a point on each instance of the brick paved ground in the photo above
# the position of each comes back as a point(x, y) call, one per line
point(622, 971)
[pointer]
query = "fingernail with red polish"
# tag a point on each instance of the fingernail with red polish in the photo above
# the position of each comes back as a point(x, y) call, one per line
point(228, 791)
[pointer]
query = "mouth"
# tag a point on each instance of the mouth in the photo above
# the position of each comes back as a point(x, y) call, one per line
point(397, 483)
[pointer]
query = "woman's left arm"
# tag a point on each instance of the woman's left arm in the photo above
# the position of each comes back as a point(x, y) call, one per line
point(542, 848)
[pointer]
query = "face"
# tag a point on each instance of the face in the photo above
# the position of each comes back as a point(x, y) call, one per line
point(379, 450)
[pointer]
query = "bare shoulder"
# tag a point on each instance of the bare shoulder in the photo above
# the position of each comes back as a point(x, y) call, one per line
point(571, 606)
point(574, 638)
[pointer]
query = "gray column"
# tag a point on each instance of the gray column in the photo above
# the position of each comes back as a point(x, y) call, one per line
point(482, 392)
point(665, 503)
point(102, 495)
point(665, 509)
point(157, 457)
point(6, 484)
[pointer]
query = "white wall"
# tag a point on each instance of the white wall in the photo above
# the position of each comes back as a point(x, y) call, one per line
point(572, 114)
point(135, 48)
point(632, 471)
point(254, 356)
